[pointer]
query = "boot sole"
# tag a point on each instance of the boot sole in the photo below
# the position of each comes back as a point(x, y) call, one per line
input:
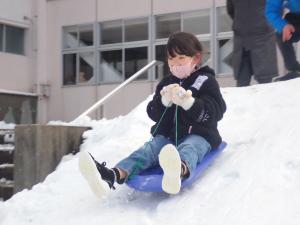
point(90, 172)
point(170, 162)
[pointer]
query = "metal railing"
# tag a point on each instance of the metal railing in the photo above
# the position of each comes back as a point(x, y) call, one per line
point(116, 90)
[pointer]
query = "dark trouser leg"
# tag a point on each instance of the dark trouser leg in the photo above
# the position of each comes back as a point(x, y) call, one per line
point(245, 71)
point(288, 54)
point(264, 80)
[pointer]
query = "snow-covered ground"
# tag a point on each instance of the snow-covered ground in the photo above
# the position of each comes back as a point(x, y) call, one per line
point(255, 181)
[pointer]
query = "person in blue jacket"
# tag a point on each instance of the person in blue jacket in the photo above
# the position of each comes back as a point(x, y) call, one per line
point(284, 16)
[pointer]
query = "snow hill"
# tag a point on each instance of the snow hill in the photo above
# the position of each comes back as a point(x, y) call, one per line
point(255, 181)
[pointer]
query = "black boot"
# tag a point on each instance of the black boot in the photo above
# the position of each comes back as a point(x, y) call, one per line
point(108, 175)
point(288, 76)
point(185, 173)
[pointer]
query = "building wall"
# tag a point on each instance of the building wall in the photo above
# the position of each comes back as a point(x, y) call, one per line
point(64, 102)
point(13, 11)
point(42, 63)
point(164, 6)
point(73, 12)
point(17, 72)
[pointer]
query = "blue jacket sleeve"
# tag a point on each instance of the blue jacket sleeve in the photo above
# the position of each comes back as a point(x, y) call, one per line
point(273, 12)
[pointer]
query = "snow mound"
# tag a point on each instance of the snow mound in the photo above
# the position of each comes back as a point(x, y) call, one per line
point(256, 180)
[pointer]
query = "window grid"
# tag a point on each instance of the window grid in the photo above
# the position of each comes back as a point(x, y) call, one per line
point(211, 40)
point(123, 45)
point(16, 46)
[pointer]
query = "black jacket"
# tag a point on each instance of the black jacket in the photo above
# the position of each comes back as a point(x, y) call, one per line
point(201, 119)
point(249, 21)
point(252, 32)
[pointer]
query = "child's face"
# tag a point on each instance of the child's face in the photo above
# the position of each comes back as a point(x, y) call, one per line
point(181, 66)
point(179, 60)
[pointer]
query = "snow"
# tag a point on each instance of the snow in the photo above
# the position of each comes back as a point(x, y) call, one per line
point(255, 181)
point(6, 126)
point(3, 91)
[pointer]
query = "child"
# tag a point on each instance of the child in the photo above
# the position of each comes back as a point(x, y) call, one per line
point(186, 107)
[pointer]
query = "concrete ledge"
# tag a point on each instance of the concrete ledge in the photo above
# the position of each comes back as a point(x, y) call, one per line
point(39, 149)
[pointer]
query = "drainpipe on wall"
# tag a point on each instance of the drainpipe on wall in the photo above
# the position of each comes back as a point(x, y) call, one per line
point(41, 60)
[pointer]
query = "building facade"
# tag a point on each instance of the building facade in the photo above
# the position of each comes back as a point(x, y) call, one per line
point(71, 53)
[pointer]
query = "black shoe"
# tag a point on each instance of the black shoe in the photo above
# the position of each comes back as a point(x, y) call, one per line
point(185, 173)
point(108, 175)
point(288, 76)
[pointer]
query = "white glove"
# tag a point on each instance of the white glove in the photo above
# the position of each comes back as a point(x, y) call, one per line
point(182, 97)
point(166, 94)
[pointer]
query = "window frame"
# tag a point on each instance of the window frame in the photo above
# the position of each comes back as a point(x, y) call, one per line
point(4, 42)
point(77, 50)
point(123, 45)
point(213, 37)
point(218, 37)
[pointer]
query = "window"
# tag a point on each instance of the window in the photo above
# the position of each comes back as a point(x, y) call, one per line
point(86, 35)
point(78, 36)
point(135, 59)
point(69, 70)
point(225, 47)
point(70, 39)
point(12, 39)
point(111, 66)
point(18, 109)
point(223, 20)
point(111, 32)
point(124, 46)
point(162, 69)
point(123, 49)
point(224, 42)
point(167, 24)
point(136, 29)
point(196, 22)
point(206, 54)
point(86, 67)
point(78, 55)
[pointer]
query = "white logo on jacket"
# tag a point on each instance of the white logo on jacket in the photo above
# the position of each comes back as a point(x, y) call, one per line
point(199, 82)
point(203, 117)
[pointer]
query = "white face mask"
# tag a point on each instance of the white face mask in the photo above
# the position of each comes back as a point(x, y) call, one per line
point(182, 71)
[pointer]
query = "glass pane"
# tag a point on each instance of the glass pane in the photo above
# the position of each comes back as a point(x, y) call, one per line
point(86, 67)
point(18, 109)
point(1, 37)
point(167, 24)
point(206, 59)
point(111, 32)
point(111, 66)
point(196, 22)
point(14, 40)
point(162, 68)
point(86, 35)
point(70, 36)
point(136, 59)
point(69, 69)
point(223, 20)
point(225, 56)
point(136, 29)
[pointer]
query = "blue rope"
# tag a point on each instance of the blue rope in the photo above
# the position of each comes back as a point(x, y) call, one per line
point(139, 164)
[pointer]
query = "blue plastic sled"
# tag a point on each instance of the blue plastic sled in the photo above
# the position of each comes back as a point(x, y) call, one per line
point(150, 179)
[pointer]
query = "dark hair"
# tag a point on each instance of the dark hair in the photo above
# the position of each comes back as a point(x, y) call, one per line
point(183, 43)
